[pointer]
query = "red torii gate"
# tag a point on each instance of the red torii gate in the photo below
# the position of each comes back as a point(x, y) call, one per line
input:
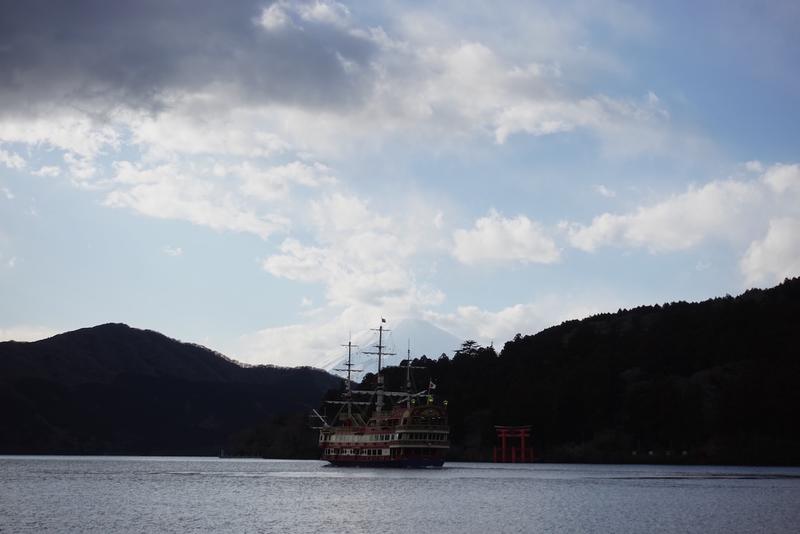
point(513, 454)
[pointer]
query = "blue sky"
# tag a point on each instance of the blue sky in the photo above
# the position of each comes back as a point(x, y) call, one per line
point(267, 177)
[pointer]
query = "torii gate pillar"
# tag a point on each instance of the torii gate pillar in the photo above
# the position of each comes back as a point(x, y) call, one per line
point(506, 453)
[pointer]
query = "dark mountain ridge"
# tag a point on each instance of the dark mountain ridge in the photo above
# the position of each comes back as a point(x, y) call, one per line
point(113, 389)
point(709, 382)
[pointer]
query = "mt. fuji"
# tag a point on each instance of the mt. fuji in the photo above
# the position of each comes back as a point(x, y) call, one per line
point(416, 335)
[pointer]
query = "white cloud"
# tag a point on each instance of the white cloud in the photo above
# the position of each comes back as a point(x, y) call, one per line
point(172, 251)
point(718, 209)
point(783, 178)
point(776, 256)
point(12, 262)
point(368, 265)
point(12, 160)
point(275, 17)
point(339, 213)
point(205, 123)
point(702, 265)
point(68, 130)
point(496, 238)
point(754, 166)
point(762, 212)
point(48, 170)
point(604, 191)
point(280, 15)
point(363, 270)
point(438, 220)
point(298, 344)
point(166, 192)
point(7, 193)
point(81, 169)
point(324, 11)
point(528, 318)
point(299, 262)
point(274, 183)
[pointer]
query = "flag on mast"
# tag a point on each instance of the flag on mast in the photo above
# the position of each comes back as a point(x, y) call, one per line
point(383, 320)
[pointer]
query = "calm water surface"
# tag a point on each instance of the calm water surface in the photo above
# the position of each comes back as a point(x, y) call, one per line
point(113, 494)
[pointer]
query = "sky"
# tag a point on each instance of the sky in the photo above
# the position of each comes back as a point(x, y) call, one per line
point(269, 178)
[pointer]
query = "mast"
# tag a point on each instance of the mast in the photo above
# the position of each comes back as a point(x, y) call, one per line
point(380, 354)
point(348, 391)
point(379, 402)
point(408, 375)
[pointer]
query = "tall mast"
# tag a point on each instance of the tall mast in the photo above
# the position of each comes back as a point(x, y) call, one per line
point(380, 353)
point(408, 375)
point(348, 392)
point(379, 401)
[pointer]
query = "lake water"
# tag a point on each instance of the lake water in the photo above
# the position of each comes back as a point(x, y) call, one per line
point(113, 494)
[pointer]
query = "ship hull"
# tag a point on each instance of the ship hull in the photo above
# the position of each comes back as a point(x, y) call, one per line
point(398, 463)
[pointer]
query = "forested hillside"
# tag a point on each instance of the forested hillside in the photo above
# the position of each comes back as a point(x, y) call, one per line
point(710, 382)
point(716, 381)
point(113, 389)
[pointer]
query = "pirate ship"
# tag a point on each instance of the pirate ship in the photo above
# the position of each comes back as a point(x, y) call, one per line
point(386, 428)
